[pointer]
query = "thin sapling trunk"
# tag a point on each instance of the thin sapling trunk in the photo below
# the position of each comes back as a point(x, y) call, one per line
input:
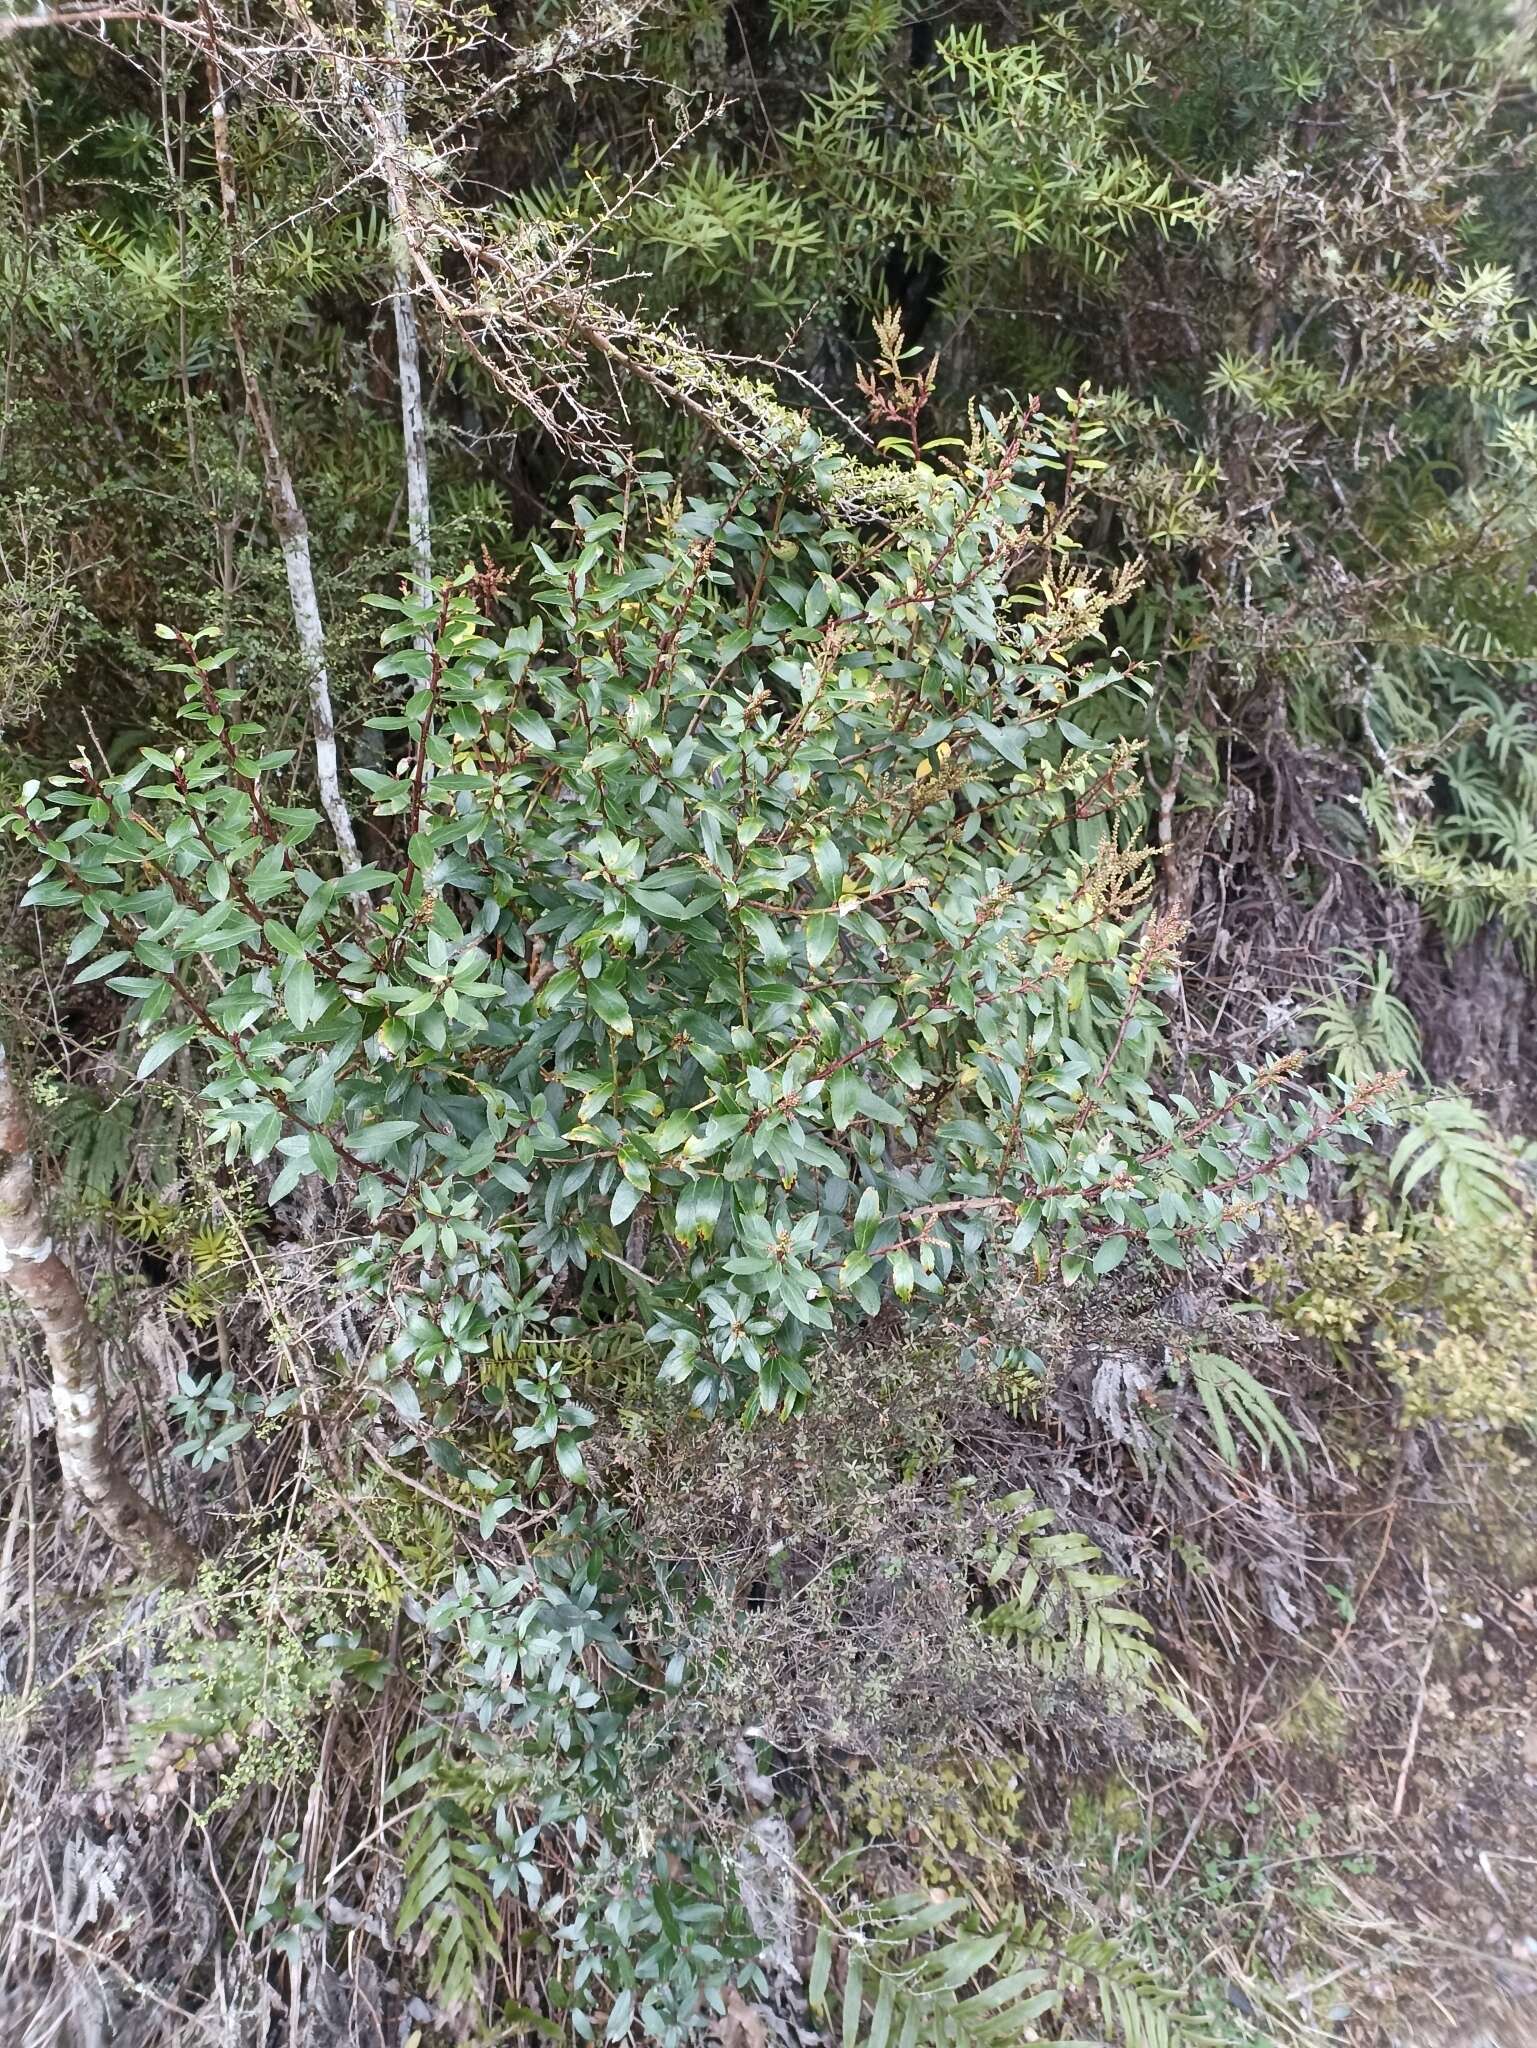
point(31, 1266)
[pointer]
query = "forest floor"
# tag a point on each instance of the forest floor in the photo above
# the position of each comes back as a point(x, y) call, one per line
point(1404, 1758)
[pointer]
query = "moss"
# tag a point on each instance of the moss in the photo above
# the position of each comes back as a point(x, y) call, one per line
point(1317, 1721)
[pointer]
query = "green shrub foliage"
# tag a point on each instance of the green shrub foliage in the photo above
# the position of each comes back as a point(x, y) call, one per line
point(760, 949)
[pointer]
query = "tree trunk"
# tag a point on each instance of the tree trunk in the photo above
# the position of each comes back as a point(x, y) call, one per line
point(413, 421)
point(36, 1273)
point(294, 538)
point(282, 499)
point(394, 152)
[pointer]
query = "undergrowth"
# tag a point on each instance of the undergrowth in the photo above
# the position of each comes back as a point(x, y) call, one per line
point(847, 1329)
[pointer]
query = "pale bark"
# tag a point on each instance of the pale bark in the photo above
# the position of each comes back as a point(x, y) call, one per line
point(295, 542)
point(394, 154)
point(31, 1266)
point(413, 421)
point(283, 504)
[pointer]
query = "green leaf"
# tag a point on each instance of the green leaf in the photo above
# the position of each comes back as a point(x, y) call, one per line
point(1006, 741)
point(162, 1049)
point(446, 1455)
point(282, 940)
point(853, 1997)
point(766, 936)
point(821, 1970)
point(288, 1177)
point(878, 2033)
point(322, 1155)
point(105, 965)
point(828, 862)
point(373, 1141)
point(301, 995)
point(88, 936)
point(698, 1209)
point(656, 901)
point(845, 1097)
point(555, 991)
point(609, 1005)
point(821, 938)
point(530, 726)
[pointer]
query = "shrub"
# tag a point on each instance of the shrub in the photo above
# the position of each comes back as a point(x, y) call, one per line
point(1448, 1309)
point(749, 950)
point(760, 949)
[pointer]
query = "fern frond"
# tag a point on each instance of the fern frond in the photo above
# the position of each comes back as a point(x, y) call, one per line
point(1476, 1179)
point(1135, 2009)
point(1237, 1405)
point(1061, 1608)
point(902, 1988)
point(446, 1905)
point(918, 1971)
point(1365, 1029)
